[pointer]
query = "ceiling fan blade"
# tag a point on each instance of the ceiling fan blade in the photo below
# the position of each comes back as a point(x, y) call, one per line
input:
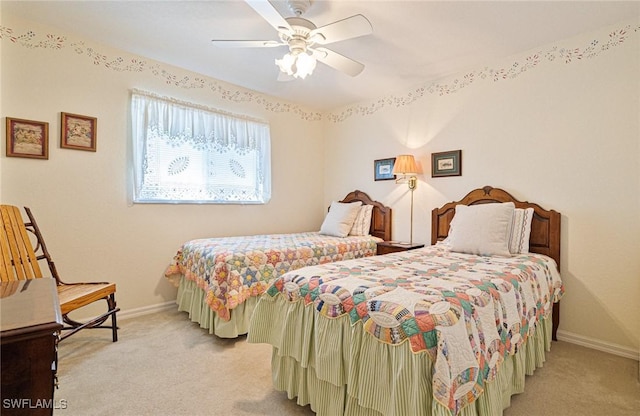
point(337, 61)
point(270, 14)
point(247, 43)
point(351, 27)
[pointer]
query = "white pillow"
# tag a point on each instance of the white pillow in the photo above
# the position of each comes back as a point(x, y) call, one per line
point(482, 229)
point(520, 230)
point(340, 218)
point(362, 224)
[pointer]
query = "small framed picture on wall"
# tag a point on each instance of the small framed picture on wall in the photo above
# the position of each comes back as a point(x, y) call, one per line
point(383, 169)
point(446, 163)
point(78, 132)
point(27, 138)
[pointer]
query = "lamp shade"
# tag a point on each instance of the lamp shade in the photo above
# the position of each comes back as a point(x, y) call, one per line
point(405, 165)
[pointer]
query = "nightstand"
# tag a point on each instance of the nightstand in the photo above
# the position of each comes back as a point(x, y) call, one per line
point(387, 247)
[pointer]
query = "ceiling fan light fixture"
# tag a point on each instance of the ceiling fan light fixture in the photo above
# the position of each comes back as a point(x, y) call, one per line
point(299, 65)
point(286, 63)
point(302, 36)
point(305, 65)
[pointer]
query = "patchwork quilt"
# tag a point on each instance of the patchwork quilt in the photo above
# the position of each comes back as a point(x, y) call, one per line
point(466, 312)
point(232, 269)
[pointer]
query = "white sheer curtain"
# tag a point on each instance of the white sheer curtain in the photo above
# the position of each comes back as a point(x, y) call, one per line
point(187, 153)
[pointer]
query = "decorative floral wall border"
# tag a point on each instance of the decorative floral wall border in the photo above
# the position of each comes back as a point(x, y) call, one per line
point(594, 48)
point(31, 40)
point(565, 55)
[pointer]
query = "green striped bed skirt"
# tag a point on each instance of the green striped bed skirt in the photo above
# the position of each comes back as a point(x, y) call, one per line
point(339, 369)
point(192, 299)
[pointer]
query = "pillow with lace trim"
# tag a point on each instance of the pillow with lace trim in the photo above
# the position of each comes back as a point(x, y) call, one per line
point(520, 230)
point(362, 224)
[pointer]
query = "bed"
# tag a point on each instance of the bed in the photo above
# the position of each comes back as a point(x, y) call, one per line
point(432, 331)
point(219, 279)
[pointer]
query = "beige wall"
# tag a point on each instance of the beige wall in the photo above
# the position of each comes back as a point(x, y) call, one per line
point(80, 198)
point(564, 133)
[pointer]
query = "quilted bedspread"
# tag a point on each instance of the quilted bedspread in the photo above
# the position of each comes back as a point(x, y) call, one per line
point(466, 312)
point(232, 269)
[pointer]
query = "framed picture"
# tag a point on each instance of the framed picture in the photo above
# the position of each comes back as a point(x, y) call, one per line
point(27, 138)
point(383, 169)
point(446, 163)
point(78, 132)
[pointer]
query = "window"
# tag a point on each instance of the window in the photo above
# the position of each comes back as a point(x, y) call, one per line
point(185, 153)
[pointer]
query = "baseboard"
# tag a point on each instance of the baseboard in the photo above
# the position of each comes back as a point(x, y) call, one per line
point(145, 310)
point(570, 337)
point(599, 345)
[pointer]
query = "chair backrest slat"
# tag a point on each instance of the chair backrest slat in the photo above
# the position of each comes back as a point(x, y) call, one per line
point(19, 261)
point(6, 267)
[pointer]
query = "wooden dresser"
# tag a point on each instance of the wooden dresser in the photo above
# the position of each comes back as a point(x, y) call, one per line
point(30, 319)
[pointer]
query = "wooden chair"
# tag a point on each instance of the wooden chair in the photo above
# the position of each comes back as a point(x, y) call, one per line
point(20, 260)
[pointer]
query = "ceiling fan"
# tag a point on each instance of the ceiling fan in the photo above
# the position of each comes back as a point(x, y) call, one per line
point(305, 39)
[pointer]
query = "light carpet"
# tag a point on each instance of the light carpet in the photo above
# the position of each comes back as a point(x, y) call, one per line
point(163, 364)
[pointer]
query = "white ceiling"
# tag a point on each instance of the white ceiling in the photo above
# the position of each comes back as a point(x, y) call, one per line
point(413, 42)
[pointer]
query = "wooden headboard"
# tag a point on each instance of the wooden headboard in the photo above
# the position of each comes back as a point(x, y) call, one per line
point(545, 225)
point(381, 217)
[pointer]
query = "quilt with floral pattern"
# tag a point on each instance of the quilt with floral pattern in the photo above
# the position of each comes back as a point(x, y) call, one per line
point(232, 269)
point(466, 312)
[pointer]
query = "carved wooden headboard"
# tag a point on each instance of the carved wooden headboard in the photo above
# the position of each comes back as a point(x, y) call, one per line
point(381, 217)
point(545, 228)
point(545, 225)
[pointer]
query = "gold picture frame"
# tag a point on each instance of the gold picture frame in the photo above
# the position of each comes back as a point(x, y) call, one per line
point(27, 138)
point(78, 132)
